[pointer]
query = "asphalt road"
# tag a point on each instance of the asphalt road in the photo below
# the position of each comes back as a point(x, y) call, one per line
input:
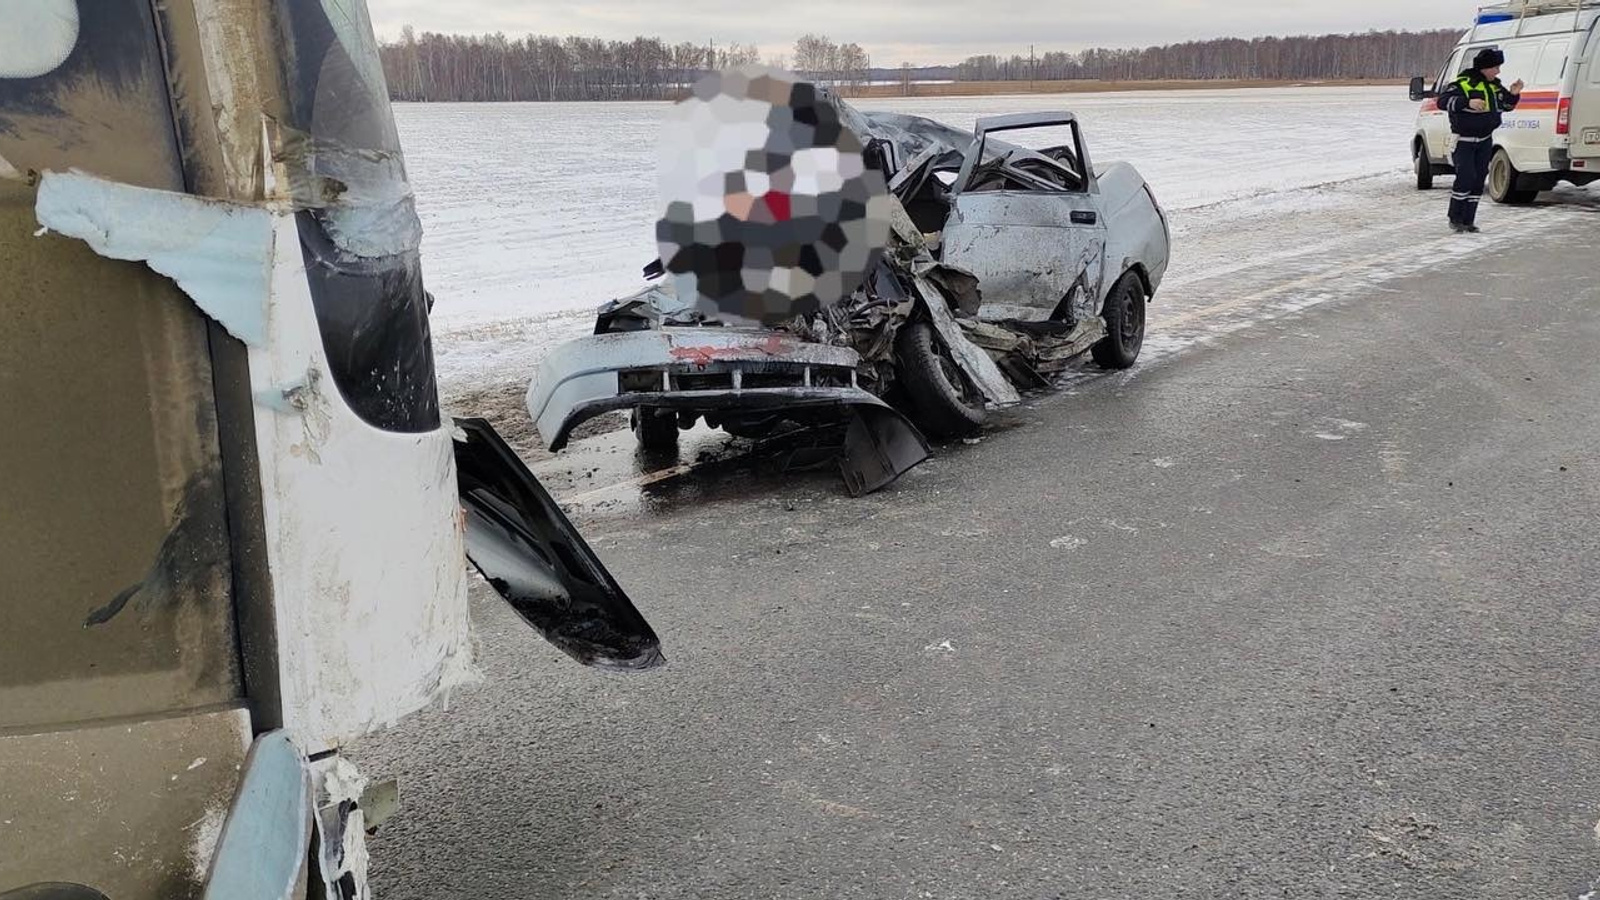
point(1308, 610)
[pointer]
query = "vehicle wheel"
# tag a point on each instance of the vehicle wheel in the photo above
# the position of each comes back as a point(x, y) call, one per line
point(1424, 169)
point(1124, 315)
point(1503, 177)
point(656, 429)
point(944, 403)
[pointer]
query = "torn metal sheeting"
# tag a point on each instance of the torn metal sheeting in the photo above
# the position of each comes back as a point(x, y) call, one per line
point(219, 253)
point(975, 364)
point(339, 826)
point(653, 306)
point(528, 551)
point(911, 136)
point(380, 801)
point(1033, 354)
point(916, 168)
point(880, 445)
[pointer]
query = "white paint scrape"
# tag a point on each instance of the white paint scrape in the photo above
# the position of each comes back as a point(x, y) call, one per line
point(364, 538)
point(219, 253)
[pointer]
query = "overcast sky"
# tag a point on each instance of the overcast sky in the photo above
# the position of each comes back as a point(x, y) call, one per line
point(923, 32)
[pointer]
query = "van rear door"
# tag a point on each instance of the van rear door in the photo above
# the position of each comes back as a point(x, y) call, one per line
point(1584, 124)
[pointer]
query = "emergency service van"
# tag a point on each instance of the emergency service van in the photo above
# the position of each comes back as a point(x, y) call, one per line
point(1553, 46)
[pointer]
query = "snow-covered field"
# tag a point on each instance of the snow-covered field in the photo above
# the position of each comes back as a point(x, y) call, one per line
point(536, 208)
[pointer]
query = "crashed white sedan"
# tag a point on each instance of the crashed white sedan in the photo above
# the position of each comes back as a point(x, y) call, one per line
point(1004, 265)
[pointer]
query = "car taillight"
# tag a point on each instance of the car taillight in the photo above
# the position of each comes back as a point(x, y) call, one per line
point(1564, 116)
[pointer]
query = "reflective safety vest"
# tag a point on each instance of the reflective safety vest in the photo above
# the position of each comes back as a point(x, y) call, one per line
point(1486, 88)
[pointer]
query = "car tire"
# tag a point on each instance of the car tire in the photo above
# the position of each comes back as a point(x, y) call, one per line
point(1503, 178)
point(656, 429)
point(1424, 167)
point(943, 402)
point(1124, 316)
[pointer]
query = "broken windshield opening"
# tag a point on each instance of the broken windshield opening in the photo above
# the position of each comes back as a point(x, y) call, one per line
point(1024, 170)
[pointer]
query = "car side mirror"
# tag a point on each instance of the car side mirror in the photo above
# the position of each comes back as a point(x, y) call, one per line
point(1420, 91)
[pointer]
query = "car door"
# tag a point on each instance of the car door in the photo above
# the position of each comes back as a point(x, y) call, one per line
point(1028, 224)
point(1435, 122)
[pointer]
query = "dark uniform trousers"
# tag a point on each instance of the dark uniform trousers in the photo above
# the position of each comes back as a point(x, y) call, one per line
point(1471, 160)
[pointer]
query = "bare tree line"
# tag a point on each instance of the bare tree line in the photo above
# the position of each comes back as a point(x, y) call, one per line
point(818, 58)
point(543, 67)
point(1385, 54)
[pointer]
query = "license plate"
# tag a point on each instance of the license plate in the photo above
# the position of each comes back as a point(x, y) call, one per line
point(1591, 135)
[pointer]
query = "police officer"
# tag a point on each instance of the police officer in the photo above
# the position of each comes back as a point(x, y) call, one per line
point(1475, 102)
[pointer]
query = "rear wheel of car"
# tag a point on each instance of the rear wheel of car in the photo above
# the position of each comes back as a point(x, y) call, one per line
point(656, 429)
point(1124, 315)
point(1503, 178)
point(944, 403)
point(1424, 169)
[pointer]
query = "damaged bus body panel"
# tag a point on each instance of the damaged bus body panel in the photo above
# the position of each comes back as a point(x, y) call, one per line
point(246, 522)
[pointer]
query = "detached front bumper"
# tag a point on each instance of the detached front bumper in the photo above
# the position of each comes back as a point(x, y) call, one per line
point(688, 369)
point(722, 371)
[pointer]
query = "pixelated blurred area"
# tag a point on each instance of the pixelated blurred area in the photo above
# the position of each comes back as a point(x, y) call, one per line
point(771, 212)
